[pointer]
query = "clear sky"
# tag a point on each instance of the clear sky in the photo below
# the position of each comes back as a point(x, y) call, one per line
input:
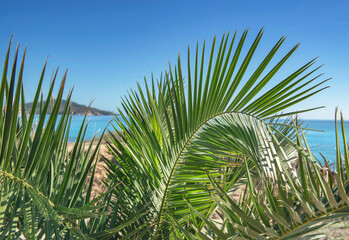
point(110, 45)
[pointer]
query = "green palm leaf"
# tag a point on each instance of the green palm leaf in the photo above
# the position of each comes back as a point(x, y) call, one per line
point(289, 208)
point(44, 189)
point(172, 136)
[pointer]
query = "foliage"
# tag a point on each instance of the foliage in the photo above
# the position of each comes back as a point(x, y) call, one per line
point(180, 154)
point(176, 141)
point(288, 208)
point(45, 191)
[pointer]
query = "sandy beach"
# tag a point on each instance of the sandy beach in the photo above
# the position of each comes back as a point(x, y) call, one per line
point(100, 173)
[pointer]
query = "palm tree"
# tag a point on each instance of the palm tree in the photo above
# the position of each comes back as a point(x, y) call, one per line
point(224, 129)
point(289, 208)
point(180, 152)
point(45, 191)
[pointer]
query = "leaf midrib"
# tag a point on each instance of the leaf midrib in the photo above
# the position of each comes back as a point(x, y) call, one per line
point(161, 211)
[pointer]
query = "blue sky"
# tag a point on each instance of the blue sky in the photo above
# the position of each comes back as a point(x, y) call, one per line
point(110, 45)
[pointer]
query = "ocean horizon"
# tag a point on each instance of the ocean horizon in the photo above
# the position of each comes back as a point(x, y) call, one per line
point(324, 142)
point(320, 142)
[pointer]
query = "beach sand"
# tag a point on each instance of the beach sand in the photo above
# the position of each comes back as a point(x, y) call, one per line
point(100, 173)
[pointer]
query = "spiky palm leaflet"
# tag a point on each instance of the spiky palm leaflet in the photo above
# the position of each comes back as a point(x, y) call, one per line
point(162, 122)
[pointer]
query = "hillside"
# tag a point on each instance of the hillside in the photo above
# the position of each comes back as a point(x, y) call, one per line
point(76, 109)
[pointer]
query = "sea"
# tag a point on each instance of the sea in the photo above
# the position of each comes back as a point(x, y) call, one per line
point(325, 142)
point(320, 142)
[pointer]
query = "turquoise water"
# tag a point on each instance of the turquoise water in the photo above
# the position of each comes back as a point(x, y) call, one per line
point(324, 142)
point(96, 125)
point(320, 142)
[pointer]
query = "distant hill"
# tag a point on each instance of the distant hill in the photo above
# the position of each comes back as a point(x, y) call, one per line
point(76, 109)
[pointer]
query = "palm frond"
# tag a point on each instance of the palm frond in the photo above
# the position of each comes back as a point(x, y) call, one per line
point(290, 208)
point(44, 189)
point(170, 136)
